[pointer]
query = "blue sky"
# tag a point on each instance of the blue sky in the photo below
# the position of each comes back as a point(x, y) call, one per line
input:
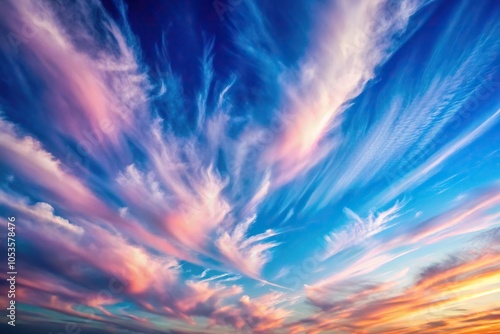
point(247, 166)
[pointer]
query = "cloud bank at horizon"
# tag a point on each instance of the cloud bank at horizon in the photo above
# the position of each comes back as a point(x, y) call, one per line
point(326, 167)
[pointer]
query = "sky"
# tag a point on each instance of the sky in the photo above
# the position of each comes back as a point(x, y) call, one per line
point(241, 166)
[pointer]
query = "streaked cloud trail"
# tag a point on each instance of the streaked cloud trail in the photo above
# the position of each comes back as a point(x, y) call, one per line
point(245, 166)
point(359, 37)
point(359, 230)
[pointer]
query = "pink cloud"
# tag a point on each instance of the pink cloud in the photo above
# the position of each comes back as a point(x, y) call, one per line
point(33, 163)
point(89, 88)
point(259, 315)
point(352, 42)
point(247, 254)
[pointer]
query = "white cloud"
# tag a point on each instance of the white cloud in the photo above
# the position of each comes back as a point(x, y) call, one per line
point(359, 230)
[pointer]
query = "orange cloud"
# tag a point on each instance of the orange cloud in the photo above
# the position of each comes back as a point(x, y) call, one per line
point(455, 296)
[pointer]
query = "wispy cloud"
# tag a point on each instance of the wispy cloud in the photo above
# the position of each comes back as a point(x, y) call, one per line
point(159, 180)
point(350, 46)
point(359, 230)
point(453, 223)
point(392, 307)
point(248, 254)
point(430, 167)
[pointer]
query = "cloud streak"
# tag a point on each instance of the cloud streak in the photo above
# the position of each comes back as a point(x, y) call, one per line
point(165, 167)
